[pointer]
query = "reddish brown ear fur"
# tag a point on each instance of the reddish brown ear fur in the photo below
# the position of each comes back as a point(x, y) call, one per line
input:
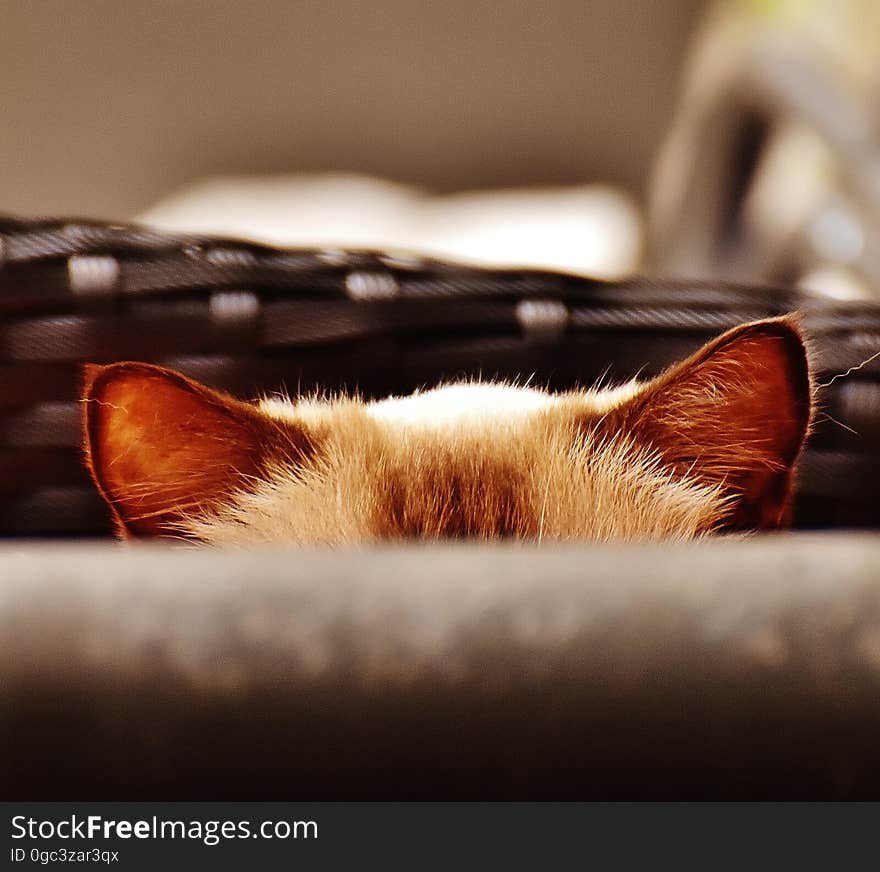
point(158, 444)
point(736, 413)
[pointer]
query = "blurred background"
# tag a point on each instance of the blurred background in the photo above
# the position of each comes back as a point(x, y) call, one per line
point(733, 139)
point(109, 106)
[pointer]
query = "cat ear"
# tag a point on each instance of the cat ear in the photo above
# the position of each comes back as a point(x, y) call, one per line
point(159, 445)
point(735, 414)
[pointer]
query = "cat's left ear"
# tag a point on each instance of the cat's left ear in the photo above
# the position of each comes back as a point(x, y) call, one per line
point(734, 415)
point(161, 446)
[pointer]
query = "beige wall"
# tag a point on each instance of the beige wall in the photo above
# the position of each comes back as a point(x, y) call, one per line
point(109, 104)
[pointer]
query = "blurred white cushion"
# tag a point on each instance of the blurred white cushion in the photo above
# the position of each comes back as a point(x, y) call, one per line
point(591, 229)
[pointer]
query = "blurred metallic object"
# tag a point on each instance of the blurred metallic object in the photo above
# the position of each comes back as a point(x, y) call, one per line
point(771, 170)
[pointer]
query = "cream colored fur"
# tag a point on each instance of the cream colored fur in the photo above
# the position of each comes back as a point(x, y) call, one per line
point(509, 459)
point(709, 445)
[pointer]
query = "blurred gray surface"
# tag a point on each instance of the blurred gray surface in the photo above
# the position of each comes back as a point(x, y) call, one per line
point(108, 106)
point(727, 668)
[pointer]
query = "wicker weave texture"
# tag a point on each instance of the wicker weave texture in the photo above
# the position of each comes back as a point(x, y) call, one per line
point(252, 319)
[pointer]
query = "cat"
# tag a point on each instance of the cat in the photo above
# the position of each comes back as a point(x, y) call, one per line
point(709, 446)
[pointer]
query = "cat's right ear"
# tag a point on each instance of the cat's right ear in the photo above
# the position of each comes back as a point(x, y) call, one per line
point(161, 446)
point(734, 415)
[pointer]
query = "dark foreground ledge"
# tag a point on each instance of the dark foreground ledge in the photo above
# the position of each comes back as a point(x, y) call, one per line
point(726, 669)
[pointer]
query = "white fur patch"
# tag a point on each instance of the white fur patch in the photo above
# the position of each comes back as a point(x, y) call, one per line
point(464, 402)
point(454, 403)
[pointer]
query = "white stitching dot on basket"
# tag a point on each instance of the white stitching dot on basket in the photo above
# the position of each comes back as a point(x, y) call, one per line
point(402, 260)
point(362, 285)
point(230, 257)
point(333, 256)
point(92, 274)
point(542, 317)
point(233, 305)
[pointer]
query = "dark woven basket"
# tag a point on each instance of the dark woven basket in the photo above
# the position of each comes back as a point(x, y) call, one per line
point(252, 319)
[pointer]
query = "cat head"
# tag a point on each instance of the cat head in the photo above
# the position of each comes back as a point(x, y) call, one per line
point(708, 446)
